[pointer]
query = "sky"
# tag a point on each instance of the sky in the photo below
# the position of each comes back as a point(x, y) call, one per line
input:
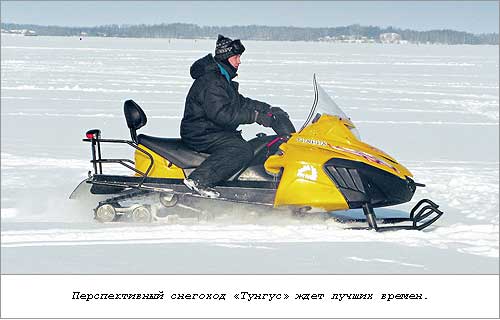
point(469, 16)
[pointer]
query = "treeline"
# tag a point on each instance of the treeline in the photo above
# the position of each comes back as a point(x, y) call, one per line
point(254, 32)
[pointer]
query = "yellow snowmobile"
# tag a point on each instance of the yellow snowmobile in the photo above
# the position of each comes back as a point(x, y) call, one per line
point(322, 167)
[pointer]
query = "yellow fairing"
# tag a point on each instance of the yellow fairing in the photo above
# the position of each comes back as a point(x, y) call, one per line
point(304, 181)
point(162, 168)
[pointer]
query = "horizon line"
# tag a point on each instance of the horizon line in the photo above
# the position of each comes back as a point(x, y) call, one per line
point(250, 25)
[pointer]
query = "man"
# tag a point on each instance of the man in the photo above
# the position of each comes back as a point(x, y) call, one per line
point(214, 109)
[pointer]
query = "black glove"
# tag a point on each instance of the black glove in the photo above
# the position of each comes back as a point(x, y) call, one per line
point(262, 107)
point(278, 111)
point(282, 124)
point(265, 119)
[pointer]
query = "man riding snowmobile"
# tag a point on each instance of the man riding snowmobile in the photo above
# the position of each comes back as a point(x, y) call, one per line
point(213, 111)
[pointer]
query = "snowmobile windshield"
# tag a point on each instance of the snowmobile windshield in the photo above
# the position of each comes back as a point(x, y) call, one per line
point(324, 104)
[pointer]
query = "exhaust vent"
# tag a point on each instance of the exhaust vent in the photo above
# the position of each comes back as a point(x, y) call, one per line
point(347, 178)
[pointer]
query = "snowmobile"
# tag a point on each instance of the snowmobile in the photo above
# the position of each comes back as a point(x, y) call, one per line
point(323, 167)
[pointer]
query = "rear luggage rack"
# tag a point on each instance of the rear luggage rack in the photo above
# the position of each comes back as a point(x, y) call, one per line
point(94, 137)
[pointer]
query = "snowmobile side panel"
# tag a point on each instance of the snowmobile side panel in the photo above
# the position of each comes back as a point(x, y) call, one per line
point(162, 168)
point(303, 181)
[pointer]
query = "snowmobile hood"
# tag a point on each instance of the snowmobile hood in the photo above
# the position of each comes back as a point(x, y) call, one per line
point(203, 66)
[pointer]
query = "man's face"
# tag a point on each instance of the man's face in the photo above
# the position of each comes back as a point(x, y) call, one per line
point(235, 61)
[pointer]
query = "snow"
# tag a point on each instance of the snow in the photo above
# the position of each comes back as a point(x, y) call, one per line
point(434, 108)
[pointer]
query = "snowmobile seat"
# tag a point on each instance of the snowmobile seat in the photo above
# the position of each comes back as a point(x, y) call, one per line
point(173, 150)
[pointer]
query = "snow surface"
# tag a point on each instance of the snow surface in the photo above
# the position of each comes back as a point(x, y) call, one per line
point(432, 107)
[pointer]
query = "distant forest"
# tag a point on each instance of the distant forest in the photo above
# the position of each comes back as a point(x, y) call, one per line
point(254, 32)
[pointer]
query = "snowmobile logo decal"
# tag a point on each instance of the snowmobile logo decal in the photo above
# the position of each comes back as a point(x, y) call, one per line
point(312, 141)
point(308, 172)
point(365, 155)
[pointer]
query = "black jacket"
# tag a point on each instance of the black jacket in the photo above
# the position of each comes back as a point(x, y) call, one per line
point(214, 109)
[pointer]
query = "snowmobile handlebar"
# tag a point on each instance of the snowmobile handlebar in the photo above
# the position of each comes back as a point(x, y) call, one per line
point(282, 125)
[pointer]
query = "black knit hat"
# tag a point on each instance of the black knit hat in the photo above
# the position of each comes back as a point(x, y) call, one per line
point(226, 48)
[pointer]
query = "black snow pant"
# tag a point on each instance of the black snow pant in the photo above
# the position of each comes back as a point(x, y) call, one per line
point(228, 155)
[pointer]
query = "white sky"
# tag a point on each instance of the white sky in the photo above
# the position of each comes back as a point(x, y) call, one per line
point(470, 16)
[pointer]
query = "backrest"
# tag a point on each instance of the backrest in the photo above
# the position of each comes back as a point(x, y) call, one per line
point(135, 116)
